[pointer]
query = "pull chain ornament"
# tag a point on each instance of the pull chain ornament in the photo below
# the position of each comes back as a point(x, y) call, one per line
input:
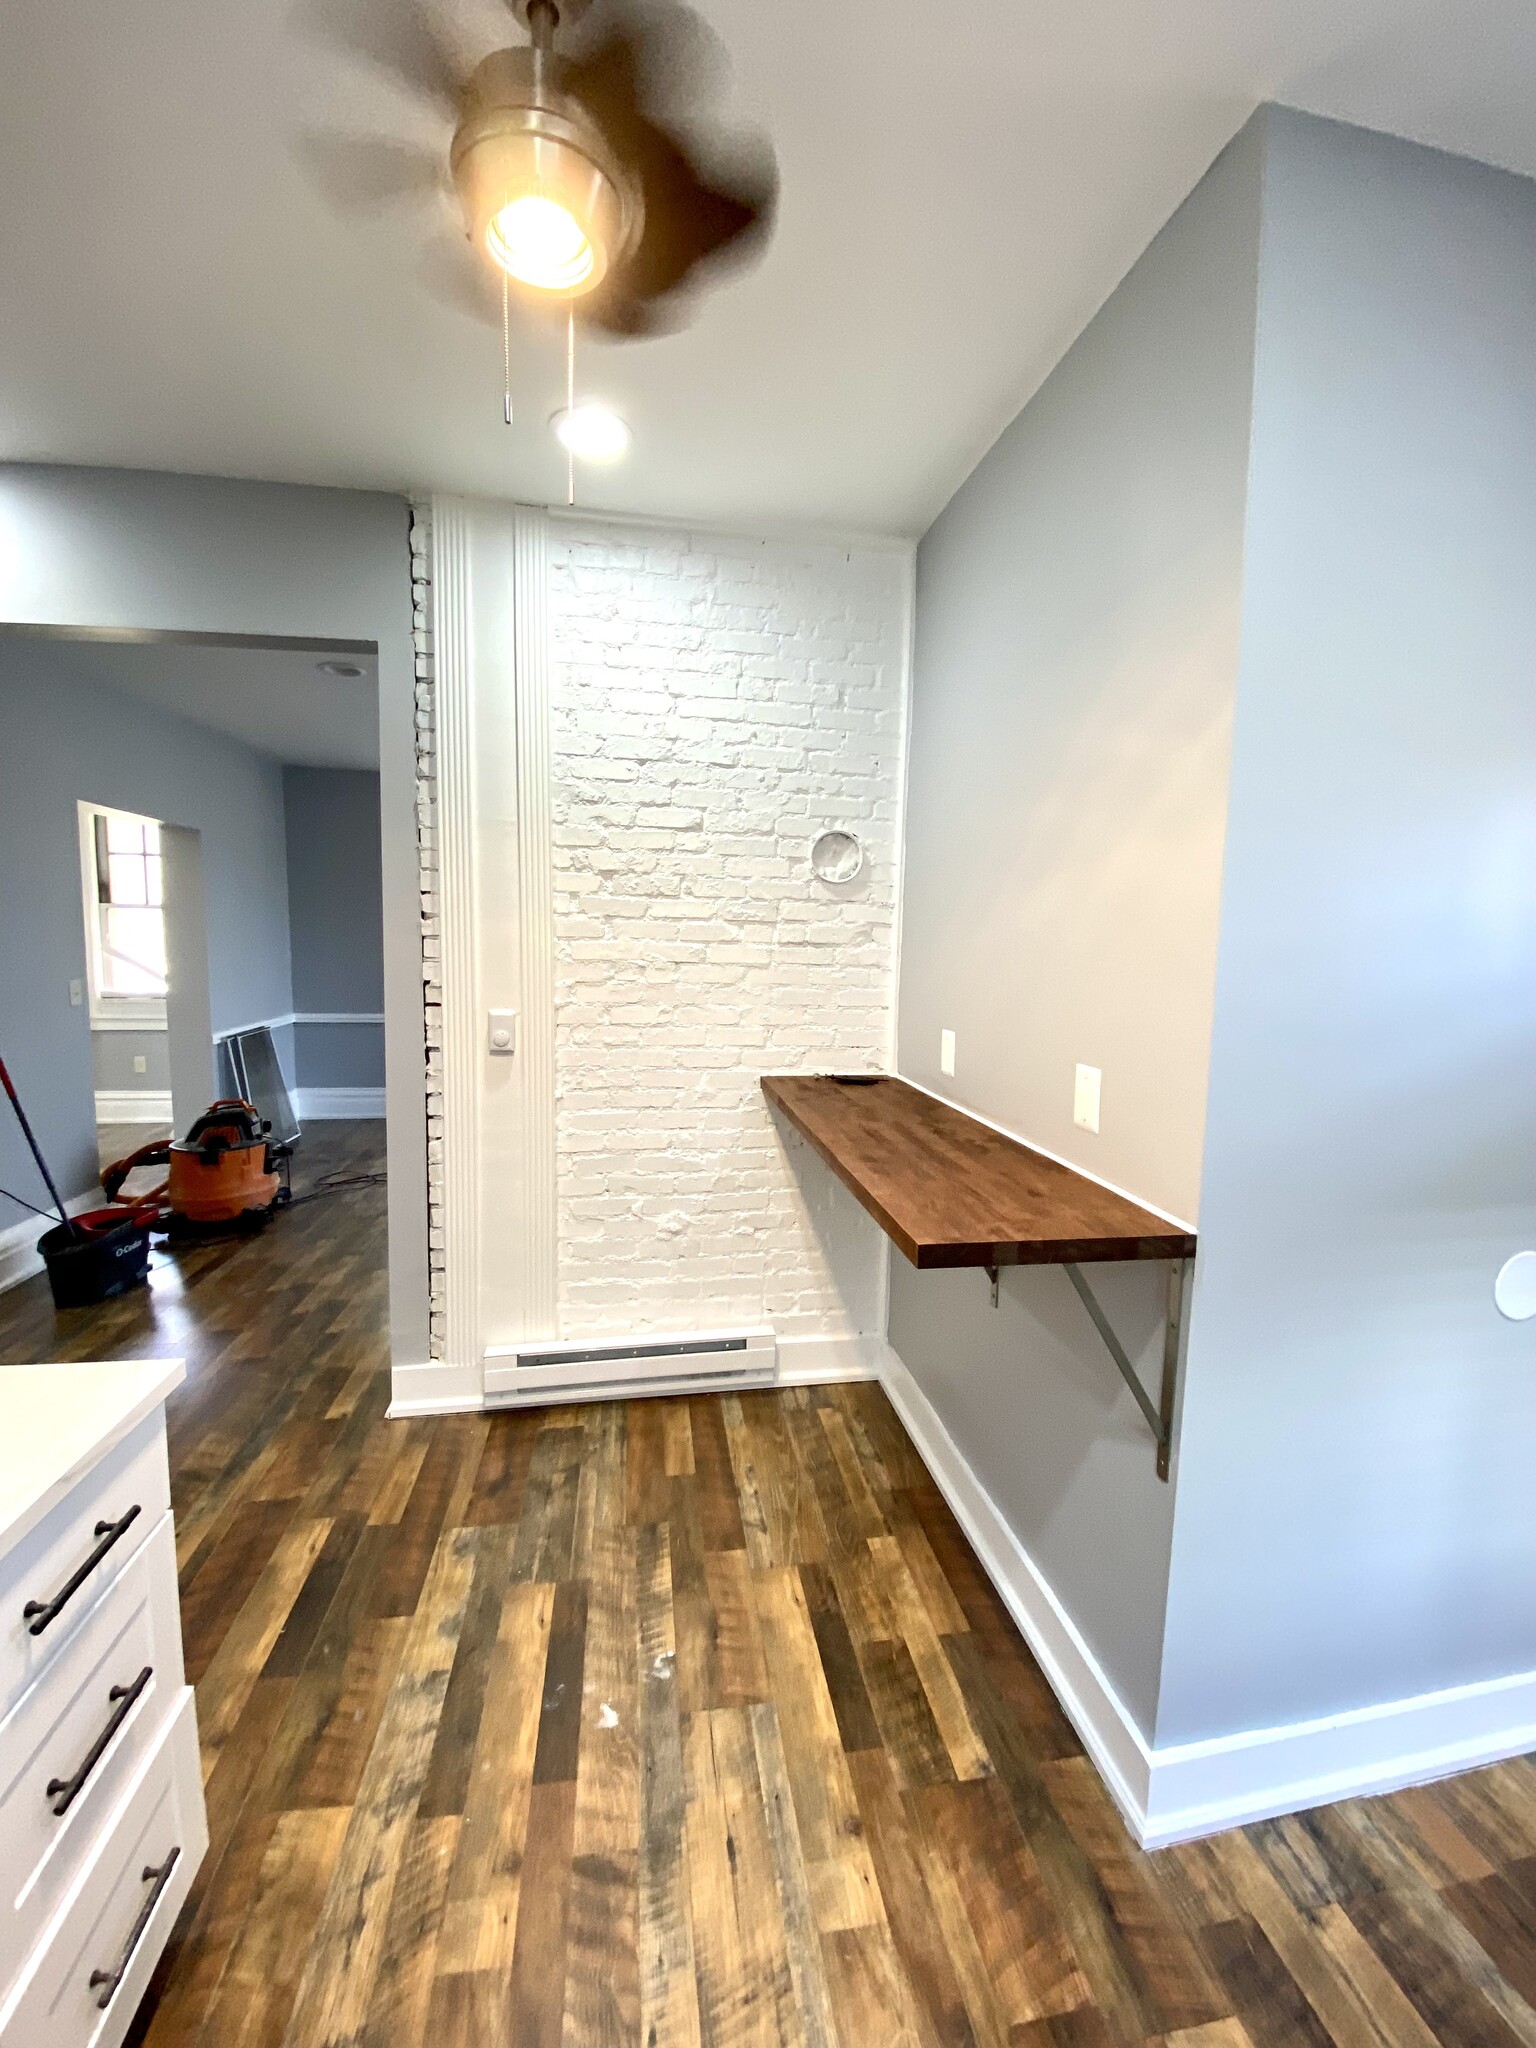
point(506, 348)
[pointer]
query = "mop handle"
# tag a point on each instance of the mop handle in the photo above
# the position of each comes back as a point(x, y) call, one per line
point(37, 1151)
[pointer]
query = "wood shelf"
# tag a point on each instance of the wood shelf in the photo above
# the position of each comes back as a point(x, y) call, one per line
point(949, 1191)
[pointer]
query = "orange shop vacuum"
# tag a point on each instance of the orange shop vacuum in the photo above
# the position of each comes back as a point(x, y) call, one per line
point(224, 1176)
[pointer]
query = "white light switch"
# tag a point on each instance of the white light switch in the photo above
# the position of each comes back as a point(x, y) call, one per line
point(140, 1063)
point(947, 1052)
point(1085, 1097)
point(501, 1031)
point(76, 994)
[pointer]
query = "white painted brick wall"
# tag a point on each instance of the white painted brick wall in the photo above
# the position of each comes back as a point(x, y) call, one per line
point(715, 704)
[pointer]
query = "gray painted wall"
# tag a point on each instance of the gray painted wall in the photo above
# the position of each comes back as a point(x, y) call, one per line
point(339, 1055)
point(135, 549)
point(113, 1054)
point(68, 739)
point(1356, 1516)
point(1075, 664)
point(335, 923)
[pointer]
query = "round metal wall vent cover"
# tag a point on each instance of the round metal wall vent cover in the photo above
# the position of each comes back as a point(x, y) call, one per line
point(836, 857)
point(1514, 1291)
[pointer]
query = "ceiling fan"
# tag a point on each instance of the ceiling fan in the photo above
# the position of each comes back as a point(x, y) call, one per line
point(590, 174)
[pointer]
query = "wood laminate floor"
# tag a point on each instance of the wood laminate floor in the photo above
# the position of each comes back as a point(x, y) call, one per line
point(116, 1141)
point(692, 1724)
point(119, 1141)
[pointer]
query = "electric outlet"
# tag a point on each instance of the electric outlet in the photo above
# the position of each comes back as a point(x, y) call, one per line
point(76, 994)
point(140, 1063)
point(1085, 1097)
point(947, 1053)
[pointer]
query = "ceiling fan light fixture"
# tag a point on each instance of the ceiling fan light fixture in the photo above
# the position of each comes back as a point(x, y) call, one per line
point(541, 243)
point(539, 191)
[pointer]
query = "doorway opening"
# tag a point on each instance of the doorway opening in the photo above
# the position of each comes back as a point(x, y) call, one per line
point(196, 857)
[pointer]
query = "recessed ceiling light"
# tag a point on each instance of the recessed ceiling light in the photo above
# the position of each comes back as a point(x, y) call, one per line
point(338, 668)
point(591, 432)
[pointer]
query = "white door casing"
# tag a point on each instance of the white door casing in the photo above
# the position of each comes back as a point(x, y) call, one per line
point(188, 1007)
point(489, 571)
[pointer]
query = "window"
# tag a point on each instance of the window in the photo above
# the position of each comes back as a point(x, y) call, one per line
point(129, 897)
point(125, 916)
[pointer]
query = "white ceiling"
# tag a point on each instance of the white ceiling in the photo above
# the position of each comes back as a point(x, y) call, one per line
point(962, 186)
point(276, 700)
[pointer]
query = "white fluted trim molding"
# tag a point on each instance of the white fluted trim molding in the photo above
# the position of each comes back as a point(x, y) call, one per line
point(531, 685)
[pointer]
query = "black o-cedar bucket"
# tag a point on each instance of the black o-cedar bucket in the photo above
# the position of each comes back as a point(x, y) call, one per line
point(110, 1255)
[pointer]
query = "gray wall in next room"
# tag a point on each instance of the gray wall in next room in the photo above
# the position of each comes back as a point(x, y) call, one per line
point(1074, 671)
point(114, 1052)
point(335, 924)
point(1356, 1514)
point(68, 739)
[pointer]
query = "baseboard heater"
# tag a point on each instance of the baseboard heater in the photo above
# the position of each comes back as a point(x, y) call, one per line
point(697, 1362)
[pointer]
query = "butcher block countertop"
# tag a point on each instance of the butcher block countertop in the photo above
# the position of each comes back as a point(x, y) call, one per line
point(950, 1191)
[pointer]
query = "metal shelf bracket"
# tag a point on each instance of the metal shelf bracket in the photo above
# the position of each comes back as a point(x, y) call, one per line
point(1159, 1418)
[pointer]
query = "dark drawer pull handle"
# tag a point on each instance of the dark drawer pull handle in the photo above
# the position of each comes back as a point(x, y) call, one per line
point(38, 1613)
point(107, 1981)
point(62, 1791)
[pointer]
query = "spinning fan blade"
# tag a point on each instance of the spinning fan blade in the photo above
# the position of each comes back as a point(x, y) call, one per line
point(452, 274)
point(367, 173)
point(709, 198)
point(398, 38)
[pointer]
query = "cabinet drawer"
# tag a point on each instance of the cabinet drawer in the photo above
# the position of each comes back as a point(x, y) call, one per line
point(71, 1744)
point(82, 1986)
point(61, 1568)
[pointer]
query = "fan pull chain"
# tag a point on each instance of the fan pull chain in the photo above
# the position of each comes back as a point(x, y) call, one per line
point(570, 400)
point(506, 348)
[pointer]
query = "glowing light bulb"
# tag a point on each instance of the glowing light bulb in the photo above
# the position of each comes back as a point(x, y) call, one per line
point(591, 432)
point(540, 242)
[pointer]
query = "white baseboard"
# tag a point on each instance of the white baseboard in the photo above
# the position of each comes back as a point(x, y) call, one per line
point(439, 1389)
point(133, 1105)
point(435, 1389)
point(1108, 1733)
point(313, 1105)
point(1181, 1791)
point(19, 1256)
point(1199, 1788)
point(337, 1105)
point(824, 1361)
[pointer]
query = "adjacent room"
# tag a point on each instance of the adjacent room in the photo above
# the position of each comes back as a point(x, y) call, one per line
point(212, 807)
point(768, 901)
